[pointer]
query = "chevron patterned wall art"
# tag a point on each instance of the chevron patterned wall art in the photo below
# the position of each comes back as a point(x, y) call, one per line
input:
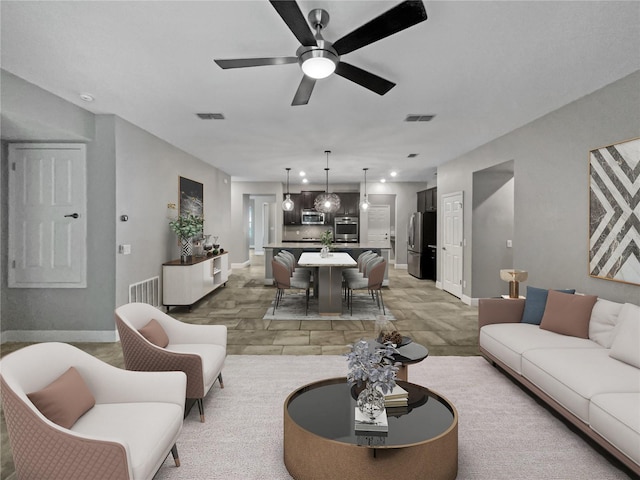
point(614, 212)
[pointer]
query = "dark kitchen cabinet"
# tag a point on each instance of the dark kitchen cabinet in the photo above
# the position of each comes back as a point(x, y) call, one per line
point(308, 199)
point(349, 204)
point(428, 200)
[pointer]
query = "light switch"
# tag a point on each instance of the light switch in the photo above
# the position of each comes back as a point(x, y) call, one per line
point(509, 244)
point(124, 249)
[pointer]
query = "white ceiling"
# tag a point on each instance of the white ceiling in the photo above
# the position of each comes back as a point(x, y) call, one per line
point(483, 67)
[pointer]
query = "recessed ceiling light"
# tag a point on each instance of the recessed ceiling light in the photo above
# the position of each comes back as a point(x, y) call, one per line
point(302, 174)
point(304, 180)
point(383, 180)
point(86, 97)
point(393, 174)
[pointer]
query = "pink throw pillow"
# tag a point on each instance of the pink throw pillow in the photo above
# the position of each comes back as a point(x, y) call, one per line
point(154, 332)
point(568, 314)
point(65, 399)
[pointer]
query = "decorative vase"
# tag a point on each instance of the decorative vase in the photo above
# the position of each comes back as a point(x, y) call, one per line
point(370, 402)
point(186, 249)
point(324, 251)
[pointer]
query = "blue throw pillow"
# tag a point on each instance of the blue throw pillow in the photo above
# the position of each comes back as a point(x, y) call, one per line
point(535, 304)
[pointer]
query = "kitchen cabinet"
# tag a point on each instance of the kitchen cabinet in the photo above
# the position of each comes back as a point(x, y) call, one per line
point(183, 284)
point(308, 199)
point(349, 203)
point(428, 200)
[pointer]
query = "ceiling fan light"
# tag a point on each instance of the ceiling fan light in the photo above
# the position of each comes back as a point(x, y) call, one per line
point(318, 63)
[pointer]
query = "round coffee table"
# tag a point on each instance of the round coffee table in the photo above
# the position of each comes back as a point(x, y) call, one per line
point(320, 440)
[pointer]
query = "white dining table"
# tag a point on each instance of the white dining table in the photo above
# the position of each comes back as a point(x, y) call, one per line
point(329, 278)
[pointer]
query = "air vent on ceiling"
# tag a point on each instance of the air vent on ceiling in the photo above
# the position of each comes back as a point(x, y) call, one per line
point(412, 155)
point(419, 118)
point(210, 116)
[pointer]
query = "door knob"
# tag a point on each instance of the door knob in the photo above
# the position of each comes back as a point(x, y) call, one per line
point(72, 215)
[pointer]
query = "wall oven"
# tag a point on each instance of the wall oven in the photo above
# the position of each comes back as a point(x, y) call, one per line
point(346, 229)
point(311, 217)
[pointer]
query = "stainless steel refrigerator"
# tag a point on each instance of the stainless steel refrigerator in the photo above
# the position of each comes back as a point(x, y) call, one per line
point(421, 245)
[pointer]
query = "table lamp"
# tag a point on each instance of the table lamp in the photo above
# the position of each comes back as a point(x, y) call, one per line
point(513, 277)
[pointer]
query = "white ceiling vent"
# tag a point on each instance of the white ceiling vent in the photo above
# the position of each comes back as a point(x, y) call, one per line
point(419, 118)
point(210, 116)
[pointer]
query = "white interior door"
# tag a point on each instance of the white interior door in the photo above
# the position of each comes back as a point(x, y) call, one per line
point(264, 231)
point(452, 249)
point(47, 216)
point(379, 223)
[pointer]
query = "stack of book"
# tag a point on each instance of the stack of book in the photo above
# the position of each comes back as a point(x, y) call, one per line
point(398, 397)
point(379, 425)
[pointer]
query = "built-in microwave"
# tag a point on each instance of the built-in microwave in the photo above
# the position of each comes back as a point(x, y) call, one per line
point(311, 217)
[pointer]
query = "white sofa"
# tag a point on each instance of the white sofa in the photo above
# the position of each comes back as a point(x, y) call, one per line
point(593, 382)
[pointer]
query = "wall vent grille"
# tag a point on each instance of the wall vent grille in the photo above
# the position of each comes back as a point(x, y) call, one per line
point(210, 116)
point(146, 291)
point(419, 118)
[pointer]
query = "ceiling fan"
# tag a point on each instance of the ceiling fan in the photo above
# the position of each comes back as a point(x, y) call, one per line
point(319, 58)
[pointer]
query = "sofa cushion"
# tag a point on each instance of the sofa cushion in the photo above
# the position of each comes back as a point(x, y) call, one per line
point(616, 417)
point(572, 376)
point(212, 356)
point(145, 428)
point(626, 343)
point(507, 341)
point(65, 399)
point(154, 332)
point(568, 314)
point(535, 303)
point(604, 317)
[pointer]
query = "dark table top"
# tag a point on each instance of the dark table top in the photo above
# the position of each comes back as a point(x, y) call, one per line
point(327, 408)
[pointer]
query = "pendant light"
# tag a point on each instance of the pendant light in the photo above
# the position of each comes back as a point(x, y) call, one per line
point(287, 205)
point(365, 203)
point(327, 202)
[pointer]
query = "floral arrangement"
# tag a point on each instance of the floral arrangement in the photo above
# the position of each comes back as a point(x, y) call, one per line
point(326, 238)
point(187, 226)
point(372, 365)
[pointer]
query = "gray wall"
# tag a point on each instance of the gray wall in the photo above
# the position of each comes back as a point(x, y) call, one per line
point(148, 171)
point(493, 223)
point(32, 115)
point(551, 187)
point(129, 171)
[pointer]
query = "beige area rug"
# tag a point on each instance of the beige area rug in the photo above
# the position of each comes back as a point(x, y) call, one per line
point(503, 432)
point(292, 307)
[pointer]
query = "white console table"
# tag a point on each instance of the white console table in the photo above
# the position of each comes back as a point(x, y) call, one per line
point(183, 284)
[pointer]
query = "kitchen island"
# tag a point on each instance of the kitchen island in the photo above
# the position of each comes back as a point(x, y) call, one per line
point(297, 248)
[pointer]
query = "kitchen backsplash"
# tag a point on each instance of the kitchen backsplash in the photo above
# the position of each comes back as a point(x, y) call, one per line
point(298, 233)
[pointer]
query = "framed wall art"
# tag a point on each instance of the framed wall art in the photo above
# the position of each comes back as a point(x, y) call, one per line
point(191, 197)
point(614, 212)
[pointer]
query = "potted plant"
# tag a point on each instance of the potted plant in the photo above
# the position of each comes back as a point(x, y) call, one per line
point(186, 227)
point(372, 366)
point(326, 239)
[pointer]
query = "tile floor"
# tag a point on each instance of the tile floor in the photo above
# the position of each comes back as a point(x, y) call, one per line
point(428, 315)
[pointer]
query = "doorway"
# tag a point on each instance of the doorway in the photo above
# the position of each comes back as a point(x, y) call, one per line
point(452, 243)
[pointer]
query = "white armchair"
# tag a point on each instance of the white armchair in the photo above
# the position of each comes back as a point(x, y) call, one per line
point(127, 434)
point(197, 350)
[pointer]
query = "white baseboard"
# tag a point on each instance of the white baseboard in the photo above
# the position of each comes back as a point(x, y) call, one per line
point(245, 264)
point(469, 301)
point(401, 266)
point(438, 285)
point(32, 336)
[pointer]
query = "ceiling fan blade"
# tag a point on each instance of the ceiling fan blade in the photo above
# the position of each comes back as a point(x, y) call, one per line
point(304, 91)
point(366, 79)
point(403, 15)
point(255, 62)
point(293, 17)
